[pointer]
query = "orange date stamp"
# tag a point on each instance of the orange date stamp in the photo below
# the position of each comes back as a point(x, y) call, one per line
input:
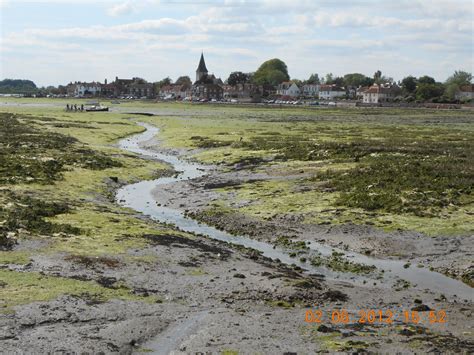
point(374, 316)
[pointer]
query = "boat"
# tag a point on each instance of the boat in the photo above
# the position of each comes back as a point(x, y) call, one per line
point(96, 108)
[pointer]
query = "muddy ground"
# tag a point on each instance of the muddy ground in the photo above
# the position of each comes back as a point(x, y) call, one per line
point(450, 255)
point(207, 296)
point(212, 298)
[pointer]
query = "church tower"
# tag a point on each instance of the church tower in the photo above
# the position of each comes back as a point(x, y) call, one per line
point(201, 70)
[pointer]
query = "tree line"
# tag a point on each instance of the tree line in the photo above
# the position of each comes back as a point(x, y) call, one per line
point(424, 88)
point(273, 72)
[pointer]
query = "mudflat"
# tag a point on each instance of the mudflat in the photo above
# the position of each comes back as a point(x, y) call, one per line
point(357, 218)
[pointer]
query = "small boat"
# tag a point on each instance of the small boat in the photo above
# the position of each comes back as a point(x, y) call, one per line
point(96, 108)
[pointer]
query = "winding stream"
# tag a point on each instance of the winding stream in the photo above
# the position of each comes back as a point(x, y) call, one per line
point(138, 196)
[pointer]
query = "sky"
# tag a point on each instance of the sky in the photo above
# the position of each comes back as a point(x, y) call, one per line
point(58, 41)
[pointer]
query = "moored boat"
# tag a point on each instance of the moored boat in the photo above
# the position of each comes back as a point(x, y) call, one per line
point(96, 108)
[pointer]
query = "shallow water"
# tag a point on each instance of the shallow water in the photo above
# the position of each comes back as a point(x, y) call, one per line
point(139, 197)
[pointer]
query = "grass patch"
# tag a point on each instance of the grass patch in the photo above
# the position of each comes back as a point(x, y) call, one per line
point(29, 214)
point(229, 352)
point(31, 155)
point(196, 272)
point(280, 303)
point(25, 287)
point(402, 184)
point(15, 257)
point(337, 262)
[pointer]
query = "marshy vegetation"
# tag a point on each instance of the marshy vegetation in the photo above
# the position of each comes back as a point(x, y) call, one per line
point(393, 168)
point(54, 171)
point(29, 154)
point(403, 170)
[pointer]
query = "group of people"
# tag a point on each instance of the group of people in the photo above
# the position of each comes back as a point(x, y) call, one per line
point(74, 107)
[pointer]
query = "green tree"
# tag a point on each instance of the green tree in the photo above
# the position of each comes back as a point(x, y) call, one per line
point(272, 72)
point(425, 79)
point(163, 82)
point(381, 79)
point(238, 77)
point(184, 80)
point(313, 79)
point(428, 91)
point(459, 78)
point(328, 79)
point(409, 84)
point(451, 91)
point(455, 81)
point(377, 76)
point(276, 77)
point(17, 86)
point(357, 79)
point(339, 81)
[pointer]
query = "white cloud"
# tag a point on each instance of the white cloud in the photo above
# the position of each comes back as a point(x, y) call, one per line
point(121, 9)
point(406, 37)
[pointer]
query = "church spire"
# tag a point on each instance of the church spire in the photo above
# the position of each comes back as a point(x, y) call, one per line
point(201, 71)
point(202, 65)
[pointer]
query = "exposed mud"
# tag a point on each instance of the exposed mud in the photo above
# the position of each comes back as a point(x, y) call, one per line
point(450, 255)
point(197, 295)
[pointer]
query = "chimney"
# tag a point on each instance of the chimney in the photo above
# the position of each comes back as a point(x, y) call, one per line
point(105, 82)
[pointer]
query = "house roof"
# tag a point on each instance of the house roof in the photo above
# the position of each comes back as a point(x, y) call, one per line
point(380, 89)
point(331, 87)
point(467, 88)
point(202, 65)
point(175, 88)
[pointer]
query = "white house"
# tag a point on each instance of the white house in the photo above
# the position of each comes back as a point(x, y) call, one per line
point(311, 90)
point(175, 91)
point(380, 93)
point(330, 92)
point(287, 88)
point(466, 92)
point(84, 89)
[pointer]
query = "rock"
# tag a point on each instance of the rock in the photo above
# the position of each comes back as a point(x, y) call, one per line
point(114, 178)
point(421, 308)
point(325, 329)
point(239, 276)
point(407, 332)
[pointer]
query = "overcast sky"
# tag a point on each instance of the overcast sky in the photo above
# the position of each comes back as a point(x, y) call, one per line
point(57, 41)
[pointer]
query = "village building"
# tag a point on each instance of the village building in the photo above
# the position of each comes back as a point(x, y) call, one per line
point(310, 90)
point(82, 89)
point(352, 92)
point(331, 92)
point(466, 92)
point(243, 92)
point(175, 91)
point(288, 88)
point(380, 93)
point(360, 92)
point(135, 87)
point(206, 87)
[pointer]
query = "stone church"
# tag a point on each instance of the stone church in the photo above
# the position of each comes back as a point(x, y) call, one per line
point(206, 86)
